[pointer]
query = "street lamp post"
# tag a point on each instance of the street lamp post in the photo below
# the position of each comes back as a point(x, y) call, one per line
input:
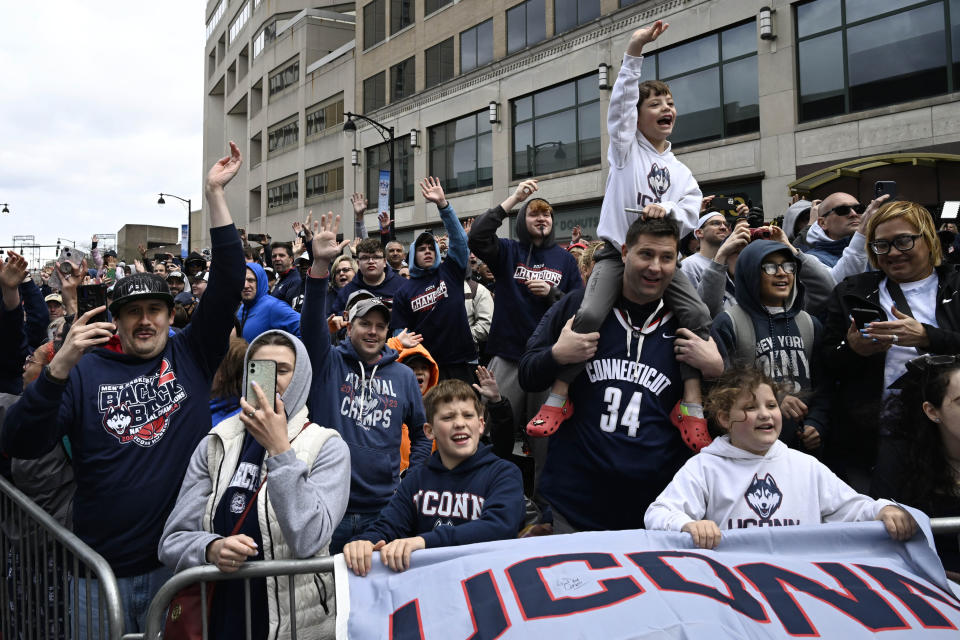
point(387, 134)
point(161, 201)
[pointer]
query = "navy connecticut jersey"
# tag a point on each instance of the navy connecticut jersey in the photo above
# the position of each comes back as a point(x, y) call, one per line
point(618, 450)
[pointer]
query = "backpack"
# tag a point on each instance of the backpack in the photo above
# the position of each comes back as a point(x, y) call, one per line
point(747, 336)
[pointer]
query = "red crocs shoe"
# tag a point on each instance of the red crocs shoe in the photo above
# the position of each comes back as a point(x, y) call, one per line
point(549, 419)
point(693, 430)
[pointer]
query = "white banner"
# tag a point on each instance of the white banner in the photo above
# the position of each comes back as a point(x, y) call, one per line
point(832, 581)
point(383, 195)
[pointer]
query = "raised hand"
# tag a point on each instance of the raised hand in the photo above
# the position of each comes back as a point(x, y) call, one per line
point(297, 247)
point(576, 235)
point(433, 192)
point(325, 245)
point(267, 423)
point(487, 387)
point(142, 250)
point(308, 227)
point(384, 218)
point(94, 240)
point(225, 168)
point(13, 271)
point(526, 189)
point(83, 335)
point(467, 225)
point(359, 203)
point(645, 36)
point(409, 340)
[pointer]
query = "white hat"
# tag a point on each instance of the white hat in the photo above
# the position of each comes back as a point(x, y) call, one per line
point(707, 217)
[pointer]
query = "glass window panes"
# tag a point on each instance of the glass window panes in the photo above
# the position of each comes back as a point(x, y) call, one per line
point(461, 153)
point(401, 14)
point(821, 76)
point(374, 92)
point(862, 54)
point(955, 36)
point(284, 78)
point(239, 22)
point(739, 41)
point(438, 63)
point(699, 116)
point(282, 194)
point(568, 14)
point(904, 54)
point(283, 136)
point(557, 129)
point(476, 46)
point(374, 23)
point(323, 117)
point(378, 157)
point(468, 50)
point(432, 5)
point(741, 104)
point(526, 25)
point(689, 56)
point(402, 78)
point(325, 180)
point(818, 16)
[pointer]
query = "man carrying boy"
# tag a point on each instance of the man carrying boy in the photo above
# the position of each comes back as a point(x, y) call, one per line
point(616, 452)
point(463, 495)
point(360, 390)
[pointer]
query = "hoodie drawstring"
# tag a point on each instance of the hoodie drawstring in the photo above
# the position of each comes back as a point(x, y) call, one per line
point(363, 386)
point(646, 328)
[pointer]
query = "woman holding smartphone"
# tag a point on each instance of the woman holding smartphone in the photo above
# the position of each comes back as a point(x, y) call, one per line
point(916, 299)
point(266, 484)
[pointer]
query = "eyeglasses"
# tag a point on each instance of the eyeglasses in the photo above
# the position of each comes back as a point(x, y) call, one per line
point(770, 268)
point(902, 243)
point(369, 258)
point(845, 210)
point(344, 270)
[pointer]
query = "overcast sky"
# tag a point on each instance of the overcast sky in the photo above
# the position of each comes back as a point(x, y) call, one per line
point(101, 109)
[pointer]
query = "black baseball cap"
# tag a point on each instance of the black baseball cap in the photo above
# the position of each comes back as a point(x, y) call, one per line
point(140, 286)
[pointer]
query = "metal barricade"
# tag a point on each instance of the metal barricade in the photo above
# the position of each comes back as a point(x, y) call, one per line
point(44, 566)
point(156, 615)
point(945, 525)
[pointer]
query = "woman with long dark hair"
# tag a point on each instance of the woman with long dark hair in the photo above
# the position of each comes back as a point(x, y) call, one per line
point(919, 458)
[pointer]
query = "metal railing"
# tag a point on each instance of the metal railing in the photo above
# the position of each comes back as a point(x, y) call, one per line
point(945, 525)
point(44, 565)
point(156, 615)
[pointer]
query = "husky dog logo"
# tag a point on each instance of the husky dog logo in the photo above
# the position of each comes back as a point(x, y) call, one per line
point(763, 496)
point(238, 503)
point(138, 411)
point(659, 181)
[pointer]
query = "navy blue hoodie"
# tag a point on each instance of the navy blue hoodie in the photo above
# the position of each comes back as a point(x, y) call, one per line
point(265, 312)
point(780, 351)
point(513, 262)
point(618, 451)
point(479, 500)
point(133, 423)
point(432, 303)
point(386, 290)
point(367, 403)
point(13, 350)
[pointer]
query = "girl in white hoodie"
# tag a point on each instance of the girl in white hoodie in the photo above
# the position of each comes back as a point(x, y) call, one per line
point(749, 478)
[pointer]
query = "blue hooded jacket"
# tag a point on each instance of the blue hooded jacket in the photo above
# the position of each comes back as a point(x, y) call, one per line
point(823, 248)
point(432, 303)
point(479, 500)
point(266, 312)
point(780, 351)
point(367, 403)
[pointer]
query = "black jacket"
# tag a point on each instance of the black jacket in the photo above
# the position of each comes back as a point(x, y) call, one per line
point(857, 381)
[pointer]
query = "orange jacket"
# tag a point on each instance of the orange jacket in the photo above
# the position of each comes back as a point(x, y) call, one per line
point(418, 350)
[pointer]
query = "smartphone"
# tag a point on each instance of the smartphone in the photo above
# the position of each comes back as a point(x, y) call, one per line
point(91, 296)
point(257, 237)
point(950, 210)
point(882, 187)
point(71, 255)
point(724, 204)
point(340, 237)
point(264, 373)
point(863, 316)
point(159, 257)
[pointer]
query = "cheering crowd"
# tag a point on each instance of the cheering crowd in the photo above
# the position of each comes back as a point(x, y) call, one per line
point(471, 387)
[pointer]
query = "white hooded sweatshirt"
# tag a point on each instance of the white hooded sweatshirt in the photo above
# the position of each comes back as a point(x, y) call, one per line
point(737, 489)
point(639, 174)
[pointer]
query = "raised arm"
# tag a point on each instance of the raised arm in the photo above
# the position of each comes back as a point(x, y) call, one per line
point(482, 238)
point(313, 323)
point(457, 250)
point(359, 202)
point(217, 178)
point(622, 113)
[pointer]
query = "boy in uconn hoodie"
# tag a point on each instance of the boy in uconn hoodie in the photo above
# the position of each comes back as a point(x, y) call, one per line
point(463, 495)
point(769, 329)
point(360, 390)
point(431, 303)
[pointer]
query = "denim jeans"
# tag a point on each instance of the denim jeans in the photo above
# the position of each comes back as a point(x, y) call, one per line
point(136, 593)
point(352, 524)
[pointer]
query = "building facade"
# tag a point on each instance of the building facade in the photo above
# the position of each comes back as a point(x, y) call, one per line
point(485, 94)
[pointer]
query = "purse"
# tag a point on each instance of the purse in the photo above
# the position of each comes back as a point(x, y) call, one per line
point(185, 615)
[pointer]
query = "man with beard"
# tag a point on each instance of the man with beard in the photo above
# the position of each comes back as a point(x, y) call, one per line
point(289, 284)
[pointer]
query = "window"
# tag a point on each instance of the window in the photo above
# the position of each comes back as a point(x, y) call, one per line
point(288, 76)
point(239, 22)
point(282, 193)
point(282, 136)
point(461, 153)
point(374, 23)
point(557, 128)
point(216, 17)
point(438, 63)
point(476, 46)
point(432, 5)
point(402, 79)
point(713, 80)
point(855, 54)
point(526, 25)
point(374, 92)
point(401, 14)
point(378, 158)
point(324, 180)
point(568, 14)
point(324, 116)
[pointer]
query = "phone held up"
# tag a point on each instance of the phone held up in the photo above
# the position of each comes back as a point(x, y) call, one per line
point(862, 317)
point(264, 373)
point(885, 187)
point(91, 296)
